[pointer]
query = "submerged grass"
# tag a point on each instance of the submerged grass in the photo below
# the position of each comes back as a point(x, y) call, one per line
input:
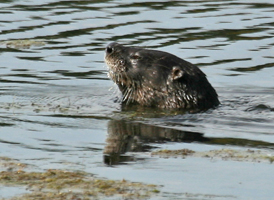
point(22, 44)
point(61, 184)
point(224, 154)
point(9, 164)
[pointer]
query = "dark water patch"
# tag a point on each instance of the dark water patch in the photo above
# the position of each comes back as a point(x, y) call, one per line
point(4, 12)
point(73, 53)
point(19, 82)
point(52, 144)
point(125, 136)
point(29, 28)
point(2, 50)
point(44, 6)
point(20, 70)
point(185, 35)
point(80, 116)
point(89, 149)
point(217, 62)
point(5, 124)
point(154, 5)
point(268, 24)
point(261, 5)
point(233, 116)
point(44, 123)
point(87, 31)
point(229, 34)
point(202, 10)
point(31, 75)
point(241, 143)
point(253, 68)
point(113, 159)
point(47, 149)
point(9, 142)
point(259, 108)
point(96, 46)
point(81, 75)
point(127, 13)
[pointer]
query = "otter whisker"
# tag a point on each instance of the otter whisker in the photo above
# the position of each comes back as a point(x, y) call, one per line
point(127, 94)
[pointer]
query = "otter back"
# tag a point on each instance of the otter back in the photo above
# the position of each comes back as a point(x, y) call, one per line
point(158, 79)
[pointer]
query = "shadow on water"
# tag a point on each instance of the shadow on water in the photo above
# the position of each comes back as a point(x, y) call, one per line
point(127, 136)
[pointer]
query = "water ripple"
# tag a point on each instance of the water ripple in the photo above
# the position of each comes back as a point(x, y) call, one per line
point(55, 102)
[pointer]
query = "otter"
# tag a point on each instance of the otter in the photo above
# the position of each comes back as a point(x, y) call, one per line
point(155, 78)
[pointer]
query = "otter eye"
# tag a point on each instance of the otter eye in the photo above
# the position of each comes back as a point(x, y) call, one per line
point(135, 57)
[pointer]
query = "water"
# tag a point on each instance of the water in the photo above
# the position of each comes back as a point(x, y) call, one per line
point(57, 106)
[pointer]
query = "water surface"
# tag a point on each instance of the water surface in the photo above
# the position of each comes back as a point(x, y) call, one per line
point(57, 107)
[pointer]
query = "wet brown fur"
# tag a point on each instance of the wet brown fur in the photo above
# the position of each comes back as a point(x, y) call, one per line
point(158, 79)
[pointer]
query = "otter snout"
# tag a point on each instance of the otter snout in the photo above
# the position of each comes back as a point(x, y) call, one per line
point(109, 49)
point(112, 47)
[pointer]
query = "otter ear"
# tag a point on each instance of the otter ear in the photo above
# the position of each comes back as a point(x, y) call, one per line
point(176, 73)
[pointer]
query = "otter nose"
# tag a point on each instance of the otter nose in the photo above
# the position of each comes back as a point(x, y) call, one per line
point(111, 47)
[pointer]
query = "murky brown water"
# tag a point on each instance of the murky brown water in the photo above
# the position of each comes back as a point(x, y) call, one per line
point(57, 106)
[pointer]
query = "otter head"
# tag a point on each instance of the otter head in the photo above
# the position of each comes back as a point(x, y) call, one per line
point(157, 79)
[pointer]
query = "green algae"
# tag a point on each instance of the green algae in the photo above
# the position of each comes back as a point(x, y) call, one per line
point(22, 44)
point(60, 184)
point(174, 153)
point(9, 164)
point(224, 154)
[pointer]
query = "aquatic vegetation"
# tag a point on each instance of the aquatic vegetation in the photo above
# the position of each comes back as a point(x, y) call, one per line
point(22, 44)
point(60, 184)
point(224, 154)
point(9, 164)
point(179, 152)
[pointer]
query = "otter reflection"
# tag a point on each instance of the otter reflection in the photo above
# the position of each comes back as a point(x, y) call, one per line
point(125, 136)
